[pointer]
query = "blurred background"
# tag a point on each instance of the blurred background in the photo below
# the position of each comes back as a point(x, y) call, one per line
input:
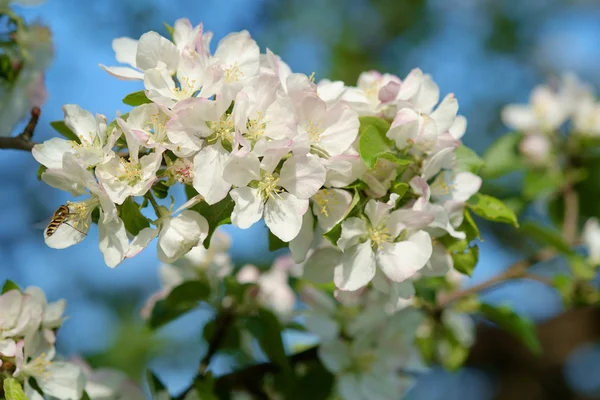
point(488, 52)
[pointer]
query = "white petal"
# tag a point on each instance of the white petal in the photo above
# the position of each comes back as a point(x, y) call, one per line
point(113, 241)
point(180, 234)
point(520, 117)
point(248, 207)
point(320, 265)
point(300, 245)
point(209, 165)
point(125, 50)
point(53, 314)
point(445, 113)
point(153, 48)
point(459, 127)
point(322, 326)
point(63, 180)
point(352, 229)
point(330, 206)
point(400, 261)
point(8, 347)
point(334, 355)
point(81, 121)
point(50, 153)
point(141, 241)
point(302, 176)
point(466, 185)
point(123, 73)
point(377, 212)
point(62, 380)
point(239, 170)
point(283, 215)
point(428, 95)
point(440, 262)
point(357, 268)
point(444, 159)
point(66, 235)
point(342, 129)
point(404, 128)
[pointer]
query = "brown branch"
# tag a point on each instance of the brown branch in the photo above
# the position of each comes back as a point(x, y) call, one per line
point(515, 271)
point(222, 323)
point(571, 201)
point(23, 141)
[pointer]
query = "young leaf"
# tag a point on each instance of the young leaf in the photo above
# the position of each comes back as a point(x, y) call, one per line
point(467, 160)
point(275, 243)
point(10, 285)
point(465, 261)
point(518, 326)
point(132, 217)
point(157, 388)
point(469, 227)
point(63, 129)
point(216, 215)
point(372, 145)
point(502, 157)
point(182, 299)
point(169, 29)
point(546, 236)
point(232, 337)
point(136, 99)
point(378, 123)
point(13, 390)
point(492, 209)
point(581, 269)
point(40, 171)
point(265, 327)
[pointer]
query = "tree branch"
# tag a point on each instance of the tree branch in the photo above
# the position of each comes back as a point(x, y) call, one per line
point(571, 201)
point(23, 141)
point(222, 323)
point(515, 271)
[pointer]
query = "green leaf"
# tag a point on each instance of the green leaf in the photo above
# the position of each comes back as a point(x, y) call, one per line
point(132, 217)
point(372, 145)
point(452, 354)
point(465, 261)
point(581, 269)
point(546, 236)
point(136, 98)
point(400, 188)
point(378, 123)
point(63, 129)
point(114, 124)
point(13, 390)
point(467, 160)
point(275, 243)
point(334, 233)
point(204, 387)
point(169, 29)
point(216, 215)
point(85, 396)
point(182, 299)
point(265, 327)
point(520, 327)
point(231, 340)
point(566, 287)
point(160, 190)
point(10, 285)
point(492, 209)
point(539, 183)
point(469, 227)
point(502, 157)
point(40, 171)
point(157, 388)
point(315, 383)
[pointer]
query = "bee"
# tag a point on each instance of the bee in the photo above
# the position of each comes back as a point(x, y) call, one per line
point(60, 216)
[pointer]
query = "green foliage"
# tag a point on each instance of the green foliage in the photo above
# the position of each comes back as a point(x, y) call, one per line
point(467, 160)
point(182, 299)
point(136, 99)
point(469, 227)
point(40, 171)
point(374, 144)
point(160, 190)
point(518, 326)
point(232, 337)
point(466, 260)
point(581, 269)
point(10, 285)
point(63, 129)
point(157, 388)
point(566, 287)
point(492, 209)
point(546, 236)
point(13, 390)
point(275, 243)
point(8, 72)
point(217, 214)
point(502, 157)
point(204, 387)
point(316, 382)
point(169, 29)
point(539, 183)
point(132, 217)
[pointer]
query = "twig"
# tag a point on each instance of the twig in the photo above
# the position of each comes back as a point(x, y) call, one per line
point(23, 141)
point(222, 323)
point(539, 278)
point(517, 270)
point(571, 200)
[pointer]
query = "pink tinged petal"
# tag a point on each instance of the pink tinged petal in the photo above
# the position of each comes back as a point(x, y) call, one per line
point(10, 310)
point(466, 184)
point(125, 50)
point(400, 261)
point(183, 34)
point(445, 113)
point(444, 159)
point(141, 241)
point(427, 96)
point(352, 230)
point(153, 48)
point(209, 165)
point(301, 244)
point(62, 380)
point(239, 170)
point(459, 127)
point(50, 153)
point(302, 176)
point(248, 274)
point(389, 91)
point(335, 355)
point(357, 268)
point(404, 128)
point(178, 235)
point(320, 265)
point(283, 215)
point(248, 207)
point(341, 125)
point(410, 85)
point(113, 242)
point(519, 117)
point(123, 73)
point(8, 348)
point(409, 219)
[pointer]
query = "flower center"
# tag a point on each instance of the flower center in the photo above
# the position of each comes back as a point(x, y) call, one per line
point(184, 87)
point(314, 132)
point(80, 211)
point(256, 127)
point(182, 171)
point(130, 172)
point(322, 198)
point(379, 236)
point(233, 74)
point(157, 127)
point(38, 367)
point(363, 362)
point(223, 128)
point(269, 187)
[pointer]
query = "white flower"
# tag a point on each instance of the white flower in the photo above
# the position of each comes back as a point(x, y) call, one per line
point(373, 243)
point(450, 185)
point(330, 206)
point(20, 315)
point(95, 145)
point(75, 179)
point(545, 112)
point(147, 124)
point(536, 148)
point(591, 238)
point(300, 176)
point(371, 87)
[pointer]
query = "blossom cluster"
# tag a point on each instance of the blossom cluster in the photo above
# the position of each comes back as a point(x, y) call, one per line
point(373, 167)
point(28, 327)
